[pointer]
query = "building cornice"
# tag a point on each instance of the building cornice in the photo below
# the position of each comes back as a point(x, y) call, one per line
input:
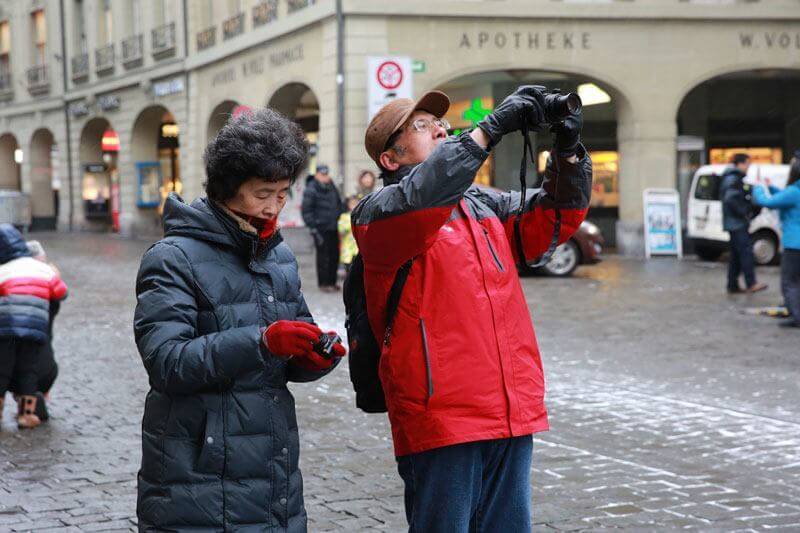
point(656, 10)
point(260, 36)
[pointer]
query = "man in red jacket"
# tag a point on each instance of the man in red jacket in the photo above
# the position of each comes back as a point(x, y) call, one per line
point(460, 366)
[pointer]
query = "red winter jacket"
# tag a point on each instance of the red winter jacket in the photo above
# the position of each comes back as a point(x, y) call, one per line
point(462, 363)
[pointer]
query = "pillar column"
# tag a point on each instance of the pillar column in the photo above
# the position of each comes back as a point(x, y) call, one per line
point(647, 158)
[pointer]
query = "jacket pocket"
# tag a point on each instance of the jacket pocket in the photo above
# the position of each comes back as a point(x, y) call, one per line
point(497, 262)
point(212, 451)
point(426, 354)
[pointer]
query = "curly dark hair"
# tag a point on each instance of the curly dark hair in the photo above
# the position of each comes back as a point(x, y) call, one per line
point(258, 143)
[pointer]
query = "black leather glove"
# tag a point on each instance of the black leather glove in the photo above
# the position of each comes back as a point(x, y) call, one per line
point(526, 104)
point(568, 135)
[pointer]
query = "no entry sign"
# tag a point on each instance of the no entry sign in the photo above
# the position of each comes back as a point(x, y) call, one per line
point(387, 78)
point(390, 75)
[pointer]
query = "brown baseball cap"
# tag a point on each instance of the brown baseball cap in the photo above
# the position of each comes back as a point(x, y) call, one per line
point(392, 116)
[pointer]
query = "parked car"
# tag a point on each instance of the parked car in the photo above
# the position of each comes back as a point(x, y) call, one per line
point(704, 214)
point(583, 248)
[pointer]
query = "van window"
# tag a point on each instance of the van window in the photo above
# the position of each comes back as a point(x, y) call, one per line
point(708, 187)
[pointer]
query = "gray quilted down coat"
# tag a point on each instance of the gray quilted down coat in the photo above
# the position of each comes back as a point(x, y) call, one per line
point(219, 434)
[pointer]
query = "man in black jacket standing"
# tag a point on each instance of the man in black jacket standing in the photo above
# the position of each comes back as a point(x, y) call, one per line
point(322, 206)
point(737, 211)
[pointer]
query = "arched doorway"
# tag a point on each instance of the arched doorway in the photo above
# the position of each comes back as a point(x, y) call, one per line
point(10, 162)
point(44, 184)
point(754, 111)
point(98, 151)
point(155, 147)
point(219, 117)
point(298, 102)
point(473, 96)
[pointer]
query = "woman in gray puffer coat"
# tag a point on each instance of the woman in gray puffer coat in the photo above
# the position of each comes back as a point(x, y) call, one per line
point(221, 325)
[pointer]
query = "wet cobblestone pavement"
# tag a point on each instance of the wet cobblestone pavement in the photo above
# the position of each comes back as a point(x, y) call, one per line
point(669, 407)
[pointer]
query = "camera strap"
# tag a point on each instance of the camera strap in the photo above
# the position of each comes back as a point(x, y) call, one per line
point(523, 172)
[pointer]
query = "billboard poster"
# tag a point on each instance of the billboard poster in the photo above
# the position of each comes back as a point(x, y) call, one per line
point(662, 223)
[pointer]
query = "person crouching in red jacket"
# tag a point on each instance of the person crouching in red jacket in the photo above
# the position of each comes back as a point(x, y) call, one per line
point(27, 287)
point(460, 366)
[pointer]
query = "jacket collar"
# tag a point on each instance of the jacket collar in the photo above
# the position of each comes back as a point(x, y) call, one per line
point(244, 234)
point(390, 178)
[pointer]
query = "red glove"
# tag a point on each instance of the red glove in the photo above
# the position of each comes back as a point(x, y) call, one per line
point(316, 363)
point(290, 339)
point(286, 338)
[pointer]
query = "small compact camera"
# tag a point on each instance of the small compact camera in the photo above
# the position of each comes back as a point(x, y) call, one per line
point(325, 343)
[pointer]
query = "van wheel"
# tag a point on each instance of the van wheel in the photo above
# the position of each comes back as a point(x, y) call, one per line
point(765, 248)
point(708, 253)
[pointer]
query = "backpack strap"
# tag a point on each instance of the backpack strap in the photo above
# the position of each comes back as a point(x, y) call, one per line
point(394, 297)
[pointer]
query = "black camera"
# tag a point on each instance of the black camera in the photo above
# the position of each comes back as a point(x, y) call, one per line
point(325, 343)
point(558, 107)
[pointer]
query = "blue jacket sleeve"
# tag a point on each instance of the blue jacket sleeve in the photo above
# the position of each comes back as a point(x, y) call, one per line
point(786, 198)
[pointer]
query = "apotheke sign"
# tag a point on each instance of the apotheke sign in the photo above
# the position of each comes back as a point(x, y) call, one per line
point(530, 40)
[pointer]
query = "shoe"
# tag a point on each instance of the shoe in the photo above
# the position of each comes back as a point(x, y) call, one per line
point(758, 287)
point(735, 290)
point(789, 324)
point(41, 407)
point(26, 415)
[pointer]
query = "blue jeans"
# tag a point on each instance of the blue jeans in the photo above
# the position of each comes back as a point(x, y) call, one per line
point(471, 487)
point(741, 259)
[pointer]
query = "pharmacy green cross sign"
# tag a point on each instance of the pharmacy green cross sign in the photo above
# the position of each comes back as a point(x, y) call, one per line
point(475, 112)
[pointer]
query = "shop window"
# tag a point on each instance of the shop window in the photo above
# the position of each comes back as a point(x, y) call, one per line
point(605, 177)
point(722, 156)
point(96, 191)
point(465, 114)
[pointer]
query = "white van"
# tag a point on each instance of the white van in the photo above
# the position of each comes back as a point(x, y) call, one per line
point(704, 214)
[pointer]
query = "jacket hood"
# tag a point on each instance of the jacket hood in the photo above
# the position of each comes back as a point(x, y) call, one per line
point(12, 245)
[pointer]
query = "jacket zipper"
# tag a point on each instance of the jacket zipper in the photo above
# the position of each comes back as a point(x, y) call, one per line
point(427, 357)
point(491, 249)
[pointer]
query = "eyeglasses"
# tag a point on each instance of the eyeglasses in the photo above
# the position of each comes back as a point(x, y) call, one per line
point(423, 124)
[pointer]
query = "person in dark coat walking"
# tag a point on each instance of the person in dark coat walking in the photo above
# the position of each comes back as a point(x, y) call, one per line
point(321, 208)
point(222, 326)
point(737, 211)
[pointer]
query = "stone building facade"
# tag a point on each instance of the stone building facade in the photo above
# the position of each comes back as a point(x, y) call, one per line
point(672, 84)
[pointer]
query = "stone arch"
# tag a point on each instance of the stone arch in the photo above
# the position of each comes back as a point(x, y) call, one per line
point(10, 173)
point(156, 150)
point(299, 102)
point(44, 195)
point(616, 88)
point(473, 94)
point(219, 117)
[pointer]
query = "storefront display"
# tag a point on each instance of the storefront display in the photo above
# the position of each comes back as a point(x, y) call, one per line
point(96, 191)
point(168, 152)
point(722, 156)
point(605, 177)
point(149, 179)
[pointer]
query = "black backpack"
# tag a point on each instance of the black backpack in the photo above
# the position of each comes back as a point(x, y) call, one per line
point(365, 349)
